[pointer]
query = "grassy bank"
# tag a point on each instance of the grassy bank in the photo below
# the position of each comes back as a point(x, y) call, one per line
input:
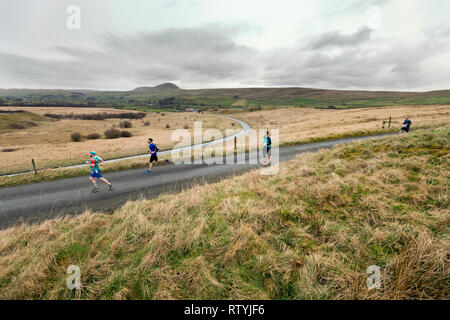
point(10, 122)
point(308, 232)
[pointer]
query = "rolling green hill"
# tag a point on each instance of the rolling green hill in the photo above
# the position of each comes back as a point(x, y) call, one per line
point(170, 97)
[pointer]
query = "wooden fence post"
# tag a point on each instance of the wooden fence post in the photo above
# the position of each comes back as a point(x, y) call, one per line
point(34, 166)
point(235, 143)
point(390, 118)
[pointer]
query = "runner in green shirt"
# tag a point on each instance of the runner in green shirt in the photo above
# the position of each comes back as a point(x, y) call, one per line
point(94, 162)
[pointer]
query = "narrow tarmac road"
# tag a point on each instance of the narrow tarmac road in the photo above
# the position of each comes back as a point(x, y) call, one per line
point(41, 201)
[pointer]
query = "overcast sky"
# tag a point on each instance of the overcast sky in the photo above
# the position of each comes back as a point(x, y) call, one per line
point(123, 44)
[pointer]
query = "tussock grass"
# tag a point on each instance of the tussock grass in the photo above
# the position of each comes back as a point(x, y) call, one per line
point(9, 122)
point(309, 232)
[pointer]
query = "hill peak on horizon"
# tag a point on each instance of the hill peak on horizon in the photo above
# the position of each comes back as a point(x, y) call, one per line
point(161, 87)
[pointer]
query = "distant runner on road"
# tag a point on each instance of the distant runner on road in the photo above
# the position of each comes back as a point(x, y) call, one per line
point(93, 162)
point(406, 124)
point(267, 148)
point(153, 149)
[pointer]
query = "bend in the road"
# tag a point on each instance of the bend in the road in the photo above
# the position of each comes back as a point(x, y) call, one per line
point(245, 130)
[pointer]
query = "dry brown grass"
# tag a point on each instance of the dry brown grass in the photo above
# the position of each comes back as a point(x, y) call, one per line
point(298, 124)
point(50, 143)
point(308, 232)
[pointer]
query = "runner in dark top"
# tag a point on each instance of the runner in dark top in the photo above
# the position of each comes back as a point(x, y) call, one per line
point(406, 124)
point(153, 149)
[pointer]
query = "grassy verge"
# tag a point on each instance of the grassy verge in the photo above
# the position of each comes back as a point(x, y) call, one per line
point(54, 174)
point(352, 134)
point(308, 232)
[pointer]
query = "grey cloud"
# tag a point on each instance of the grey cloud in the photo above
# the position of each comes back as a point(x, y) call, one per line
point(400, 67)
point(197, 55)
point(207, 57)
point(364, 4)
point(437, 32)
point(32, 71)
point(337, 39)
point(203, 53)
point(338, 8)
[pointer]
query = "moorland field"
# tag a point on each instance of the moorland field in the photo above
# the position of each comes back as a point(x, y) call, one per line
point(48, 140)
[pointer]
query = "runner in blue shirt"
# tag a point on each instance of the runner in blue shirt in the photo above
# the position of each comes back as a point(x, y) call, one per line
point(153, 149)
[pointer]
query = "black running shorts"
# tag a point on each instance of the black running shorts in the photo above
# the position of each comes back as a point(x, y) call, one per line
point(153, 157)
